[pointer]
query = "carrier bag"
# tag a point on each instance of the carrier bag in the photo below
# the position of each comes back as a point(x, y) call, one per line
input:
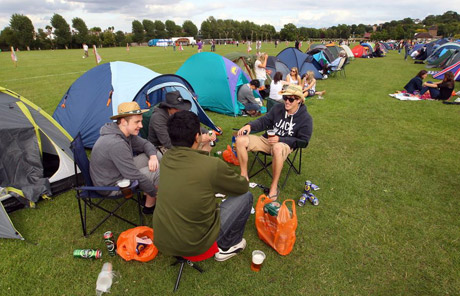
point(137, 244)
point(277, 231)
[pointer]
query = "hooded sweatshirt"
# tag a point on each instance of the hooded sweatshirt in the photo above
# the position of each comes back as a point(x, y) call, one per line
point(112, 158)
point(289, 128)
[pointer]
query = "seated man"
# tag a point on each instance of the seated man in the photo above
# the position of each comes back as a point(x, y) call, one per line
point(188, 219)
point(158, 133)
point(291, 122)
point(246, 97)
point(112, 156)
point(334, 65)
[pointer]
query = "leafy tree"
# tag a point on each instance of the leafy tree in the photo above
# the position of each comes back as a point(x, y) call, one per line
point(289, 32)
point(138, 31)
point(61, 30)
point(23, 31)
point(108, 38)
point(82, 31)
point(6, 38)
point(172, 29)
point(160, 30)
point(120, 38)
point(149, 27)
point(189, 28)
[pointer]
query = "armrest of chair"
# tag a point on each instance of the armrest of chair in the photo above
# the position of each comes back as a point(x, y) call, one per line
point(133, 185)
point(301, 144)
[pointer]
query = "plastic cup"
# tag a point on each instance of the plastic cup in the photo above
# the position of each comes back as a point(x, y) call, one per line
point(124, 187)
point(271, 133)
point(258, 258)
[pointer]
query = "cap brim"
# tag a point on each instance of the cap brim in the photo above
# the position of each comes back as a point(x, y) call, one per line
point(128, 114)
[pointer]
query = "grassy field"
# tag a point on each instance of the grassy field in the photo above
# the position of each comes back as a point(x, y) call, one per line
point(387, 223)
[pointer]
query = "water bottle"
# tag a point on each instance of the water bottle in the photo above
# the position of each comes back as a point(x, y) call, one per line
point(104, 279)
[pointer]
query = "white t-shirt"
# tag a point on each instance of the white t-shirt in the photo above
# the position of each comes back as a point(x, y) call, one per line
point(260, 72)
point(274, 90)
point(85, 47)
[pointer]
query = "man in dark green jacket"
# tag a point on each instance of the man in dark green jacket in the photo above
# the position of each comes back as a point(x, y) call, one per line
point(188, 219)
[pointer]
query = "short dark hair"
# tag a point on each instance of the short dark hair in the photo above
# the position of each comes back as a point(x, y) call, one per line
point(182, 128)
point(421, 73)
point(255, 83)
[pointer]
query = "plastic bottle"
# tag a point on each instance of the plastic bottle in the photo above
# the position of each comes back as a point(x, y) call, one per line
point(104, 279)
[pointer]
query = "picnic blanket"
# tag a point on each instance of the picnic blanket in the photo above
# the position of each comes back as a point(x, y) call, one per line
point(404, 96)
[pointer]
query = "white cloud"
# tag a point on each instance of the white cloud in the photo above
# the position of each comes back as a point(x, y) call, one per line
point(121, 13)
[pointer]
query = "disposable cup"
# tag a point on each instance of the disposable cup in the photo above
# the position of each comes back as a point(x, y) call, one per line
point(258, 258)
point(271, 133)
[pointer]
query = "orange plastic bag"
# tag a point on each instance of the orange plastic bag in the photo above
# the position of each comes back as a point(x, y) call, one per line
point(278, 232)
point(229, 156)
point(126, 244)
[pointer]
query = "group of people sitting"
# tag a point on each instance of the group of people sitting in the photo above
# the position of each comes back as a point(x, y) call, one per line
point(187, 218)
point(307, 82)
point(441, 90)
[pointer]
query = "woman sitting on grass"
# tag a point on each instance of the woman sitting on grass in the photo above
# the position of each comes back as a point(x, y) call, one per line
point(441, 90)
point(309, 86)
point(416, 83)
point(294, 77)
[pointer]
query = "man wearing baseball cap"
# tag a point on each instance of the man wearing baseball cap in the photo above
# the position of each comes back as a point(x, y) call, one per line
point(112, 156)
point(289, 121)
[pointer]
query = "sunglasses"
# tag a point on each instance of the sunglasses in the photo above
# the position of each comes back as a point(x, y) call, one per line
point(290, 99)
point(294, 71)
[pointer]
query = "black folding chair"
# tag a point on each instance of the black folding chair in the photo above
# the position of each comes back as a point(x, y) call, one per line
point(88, 196)
point(293, 161)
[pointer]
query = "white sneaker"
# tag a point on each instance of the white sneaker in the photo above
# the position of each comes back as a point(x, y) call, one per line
point(224, 255)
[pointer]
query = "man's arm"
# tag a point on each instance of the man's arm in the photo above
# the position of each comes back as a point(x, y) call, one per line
point(158, 124)
point(125, 164)
point(227, 181)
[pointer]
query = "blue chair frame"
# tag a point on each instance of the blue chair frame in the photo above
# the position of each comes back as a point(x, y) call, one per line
point(88, 196)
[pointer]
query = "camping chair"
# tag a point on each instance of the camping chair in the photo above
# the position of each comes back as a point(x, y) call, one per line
point(190, 261)
point(88, 196)
point(340, 68)
point(294, 162)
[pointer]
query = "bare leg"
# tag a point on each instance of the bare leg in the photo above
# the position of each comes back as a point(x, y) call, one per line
point(150, 201)
point(277, 166)
point(242, 143)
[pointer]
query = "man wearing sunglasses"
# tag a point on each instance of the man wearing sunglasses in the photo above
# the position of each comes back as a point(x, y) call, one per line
point(290, 122)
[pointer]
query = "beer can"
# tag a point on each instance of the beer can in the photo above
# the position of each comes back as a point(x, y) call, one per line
point(109, 242)
point(307, 186)
point(314, 187)
point(313, 199)
point(212, 143)
point(87, 253)
point(302, 200)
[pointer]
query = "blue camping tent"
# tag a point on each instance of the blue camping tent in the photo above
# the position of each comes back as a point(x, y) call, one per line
point(94, 97)
point(216, 81)
point(293, 57)
point(154, 92)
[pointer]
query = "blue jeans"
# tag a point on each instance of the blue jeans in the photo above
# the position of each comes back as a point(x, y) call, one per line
point(234, 213)
point(251, 107)
point(434, 91)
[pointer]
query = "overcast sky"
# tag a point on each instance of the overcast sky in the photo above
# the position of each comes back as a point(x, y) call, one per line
point(316, 14)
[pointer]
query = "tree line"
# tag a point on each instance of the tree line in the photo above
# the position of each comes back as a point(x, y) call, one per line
point(21, 32)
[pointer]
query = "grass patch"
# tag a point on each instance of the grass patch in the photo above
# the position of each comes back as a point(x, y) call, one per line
point(387, 222)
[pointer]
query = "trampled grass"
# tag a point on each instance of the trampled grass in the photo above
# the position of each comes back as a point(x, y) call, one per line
point(387, 222)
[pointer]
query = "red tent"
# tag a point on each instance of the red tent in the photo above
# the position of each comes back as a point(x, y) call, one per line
point(358, 51)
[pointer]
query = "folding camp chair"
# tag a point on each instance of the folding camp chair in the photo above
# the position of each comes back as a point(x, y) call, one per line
point(88, 196)
point(340, 68)
point(294, 162)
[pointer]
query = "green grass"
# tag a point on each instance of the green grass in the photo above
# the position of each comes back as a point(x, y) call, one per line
point(387, 222)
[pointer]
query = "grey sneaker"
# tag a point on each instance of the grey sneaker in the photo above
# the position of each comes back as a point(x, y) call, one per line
point(224, 255)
